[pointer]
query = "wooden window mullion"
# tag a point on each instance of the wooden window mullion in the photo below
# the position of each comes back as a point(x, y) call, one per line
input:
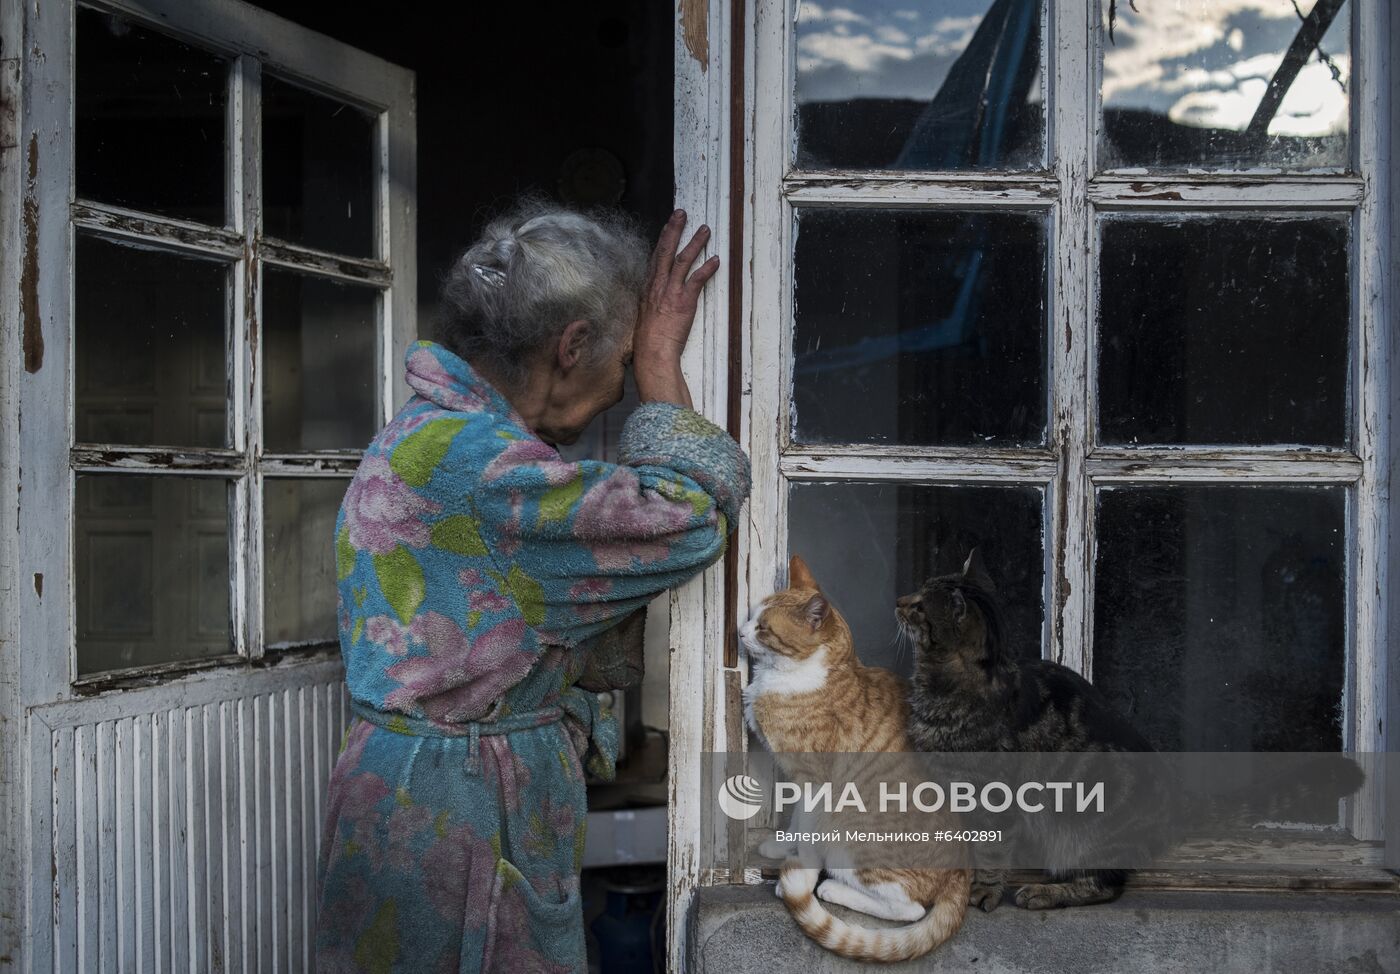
point(1069, 542)
point(1373, 370)
point(246, 362)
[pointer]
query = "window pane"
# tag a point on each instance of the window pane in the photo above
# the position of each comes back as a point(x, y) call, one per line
point(152, 574)
point(150, 334)
point(895, 85)
point(149, 118)
point(1224, 330)
point(1185, 83)
point(319, 389)
point(318, 170)
point(1220, 615)
point(869, 543)
point(919, 327)
point(299, 582)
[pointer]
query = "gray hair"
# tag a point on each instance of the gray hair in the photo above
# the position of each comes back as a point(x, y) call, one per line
point(534, 270)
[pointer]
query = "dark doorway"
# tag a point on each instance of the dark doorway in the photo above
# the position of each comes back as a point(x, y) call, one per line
point(573, 101)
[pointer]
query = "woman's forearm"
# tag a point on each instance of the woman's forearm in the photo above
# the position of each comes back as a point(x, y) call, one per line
point(664, 384)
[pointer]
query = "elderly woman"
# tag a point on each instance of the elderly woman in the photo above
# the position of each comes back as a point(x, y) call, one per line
point(483, 583)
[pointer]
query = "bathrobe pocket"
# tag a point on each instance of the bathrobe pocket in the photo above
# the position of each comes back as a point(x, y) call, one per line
point(529, 932)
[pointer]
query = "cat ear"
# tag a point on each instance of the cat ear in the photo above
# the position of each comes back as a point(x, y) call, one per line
point(817, 609)
point(799, 575)
point(974, 570)
point(959, 606)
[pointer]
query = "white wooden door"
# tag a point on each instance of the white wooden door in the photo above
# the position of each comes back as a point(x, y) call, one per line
point(209, 286)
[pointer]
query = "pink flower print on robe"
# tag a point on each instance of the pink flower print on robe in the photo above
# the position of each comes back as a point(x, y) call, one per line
point(505, 769)
point(548, 826)
point(357, 802)
point(408, 422)
point(351, 753)
point(382, 512)
point(535, 454)
point(617, 508)
point(405, 827)
point(388, 632)
point(509, 531)
point(460, 870)
point(589, 599)
point(459, 680)
point(344, 918)
point(487, 601)
point(514, 941)
point(590, 589)
point(427, 377)
point(361, 794)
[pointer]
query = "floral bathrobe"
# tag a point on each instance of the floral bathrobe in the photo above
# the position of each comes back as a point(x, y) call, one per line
point(479, 575)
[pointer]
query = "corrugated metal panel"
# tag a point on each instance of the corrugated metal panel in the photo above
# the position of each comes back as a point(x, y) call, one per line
point(185, 838)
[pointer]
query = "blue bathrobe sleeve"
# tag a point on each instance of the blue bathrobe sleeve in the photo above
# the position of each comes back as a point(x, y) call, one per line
point(579, 546)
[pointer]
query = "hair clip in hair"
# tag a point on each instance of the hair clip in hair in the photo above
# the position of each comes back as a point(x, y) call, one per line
point(491, 275)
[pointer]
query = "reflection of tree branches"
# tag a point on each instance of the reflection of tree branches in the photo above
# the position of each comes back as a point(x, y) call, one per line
point(1322, 55)
point(1309, 35)
point(1113, 15)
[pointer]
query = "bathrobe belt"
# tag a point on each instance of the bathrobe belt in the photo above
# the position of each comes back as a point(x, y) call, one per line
point(592, 728)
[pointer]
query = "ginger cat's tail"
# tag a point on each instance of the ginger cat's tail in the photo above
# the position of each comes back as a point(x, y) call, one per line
point(884, 945)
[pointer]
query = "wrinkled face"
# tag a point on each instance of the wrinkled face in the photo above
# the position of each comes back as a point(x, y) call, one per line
point(586, 391)
point(788, 625)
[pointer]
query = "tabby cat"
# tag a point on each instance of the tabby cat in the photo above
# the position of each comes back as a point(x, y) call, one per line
point(970, 693)
point(811, 694)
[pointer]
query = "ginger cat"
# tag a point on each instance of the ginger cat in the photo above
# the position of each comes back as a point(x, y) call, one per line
point(811, 694)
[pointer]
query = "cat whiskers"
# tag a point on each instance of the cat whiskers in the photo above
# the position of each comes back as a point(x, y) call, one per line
point(904, 639)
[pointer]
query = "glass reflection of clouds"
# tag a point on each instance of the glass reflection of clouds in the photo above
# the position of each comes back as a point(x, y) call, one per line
point(880, 48)
point(1207, 64)
point(900, 84)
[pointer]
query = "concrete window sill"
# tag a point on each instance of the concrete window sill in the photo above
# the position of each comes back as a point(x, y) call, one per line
point(745, 928)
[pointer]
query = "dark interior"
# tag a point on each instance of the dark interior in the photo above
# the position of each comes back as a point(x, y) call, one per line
point(559, 102)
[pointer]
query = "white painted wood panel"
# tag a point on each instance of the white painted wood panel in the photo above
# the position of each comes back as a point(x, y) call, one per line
point(1373, 378)
point(697, 703)
point(169, 825)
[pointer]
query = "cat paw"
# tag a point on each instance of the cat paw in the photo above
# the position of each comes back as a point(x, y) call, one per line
point(1037, 896)
point(826, 890)
point(986, 896)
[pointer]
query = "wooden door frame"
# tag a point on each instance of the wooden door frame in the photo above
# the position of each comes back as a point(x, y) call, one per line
point(712, 140)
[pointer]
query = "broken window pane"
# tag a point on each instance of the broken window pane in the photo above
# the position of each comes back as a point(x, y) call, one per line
point(149, 119)
point(869, 543)
point(896, 85)
point(919, 327)
point(320, 360)
point(299, 580)
point(1196, 84)
point(1224, 330)
point(318, 170)
point(152, 574)
point(1220, 619)
point(150, 336)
